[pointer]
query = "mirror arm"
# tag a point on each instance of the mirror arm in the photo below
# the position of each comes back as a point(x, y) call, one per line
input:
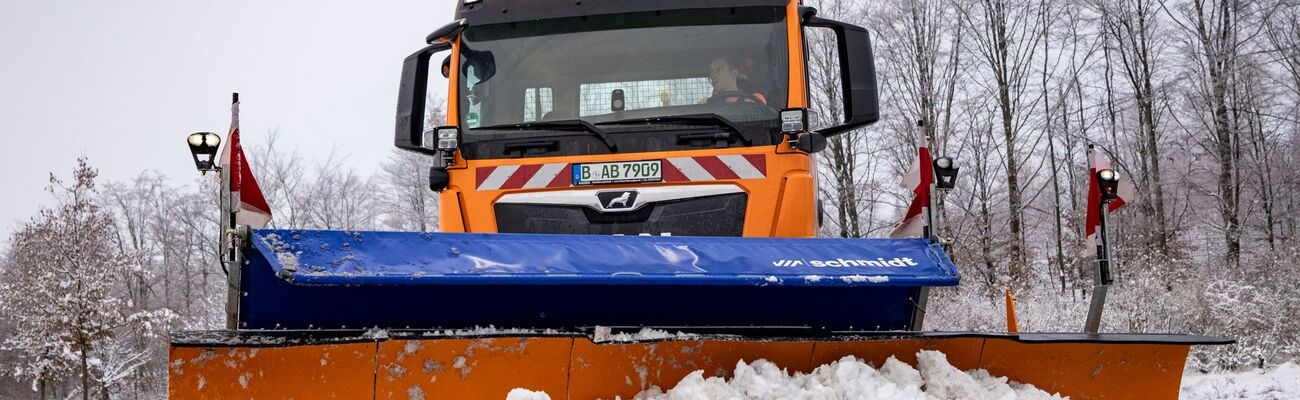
point(806, 13)
point(446, 31)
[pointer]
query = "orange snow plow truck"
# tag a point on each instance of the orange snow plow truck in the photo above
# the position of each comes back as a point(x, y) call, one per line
point(628, 194)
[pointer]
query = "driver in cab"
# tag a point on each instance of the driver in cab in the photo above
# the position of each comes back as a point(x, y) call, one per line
point(727, 74)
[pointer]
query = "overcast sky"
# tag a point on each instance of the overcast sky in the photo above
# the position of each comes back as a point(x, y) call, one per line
point(123, 82)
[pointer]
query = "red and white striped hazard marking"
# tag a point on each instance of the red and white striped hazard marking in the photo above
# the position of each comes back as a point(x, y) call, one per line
point(677, 169)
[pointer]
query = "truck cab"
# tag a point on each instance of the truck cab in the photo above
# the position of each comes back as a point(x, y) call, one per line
point(648, 117)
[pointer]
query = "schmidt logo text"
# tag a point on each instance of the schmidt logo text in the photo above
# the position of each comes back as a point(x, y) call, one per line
point(842, 263)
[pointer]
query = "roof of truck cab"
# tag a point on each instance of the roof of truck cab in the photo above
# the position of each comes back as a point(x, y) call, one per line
point(485, 12)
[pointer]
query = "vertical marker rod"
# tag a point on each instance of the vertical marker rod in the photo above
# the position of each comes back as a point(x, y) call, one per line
point(931, 233)
point(930, 230)
point(232, 269)
point(228, 251)
point(1102, 274)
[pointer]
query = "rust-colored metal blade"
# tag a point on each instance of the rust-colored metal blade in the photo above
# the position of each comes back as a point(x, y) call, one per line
point(575, 367)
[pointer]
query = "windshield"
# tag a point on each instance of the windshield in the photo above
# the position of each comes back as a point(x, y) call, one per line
point(602, 69)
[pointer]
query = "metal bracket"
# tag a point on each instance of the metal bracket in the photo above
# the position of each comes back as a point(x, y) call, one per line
point(918, 312)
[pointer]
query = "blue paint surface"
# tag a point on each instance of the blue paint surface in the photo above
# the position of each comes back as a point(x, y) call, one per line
point(406, 258)
point(336, 279)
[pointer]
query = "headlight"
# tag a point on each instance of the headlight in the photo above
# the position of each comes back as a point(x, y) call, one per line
point(1108, 175)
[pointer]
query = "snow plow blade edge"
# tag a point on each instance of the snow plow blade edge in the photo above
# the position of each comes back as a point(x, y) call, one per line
point(289, 364)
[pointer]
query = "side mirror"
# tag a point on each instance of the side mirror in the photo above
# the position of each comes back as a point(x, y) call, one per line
point(811, 142)
point(857, 72)
point(446, 67)
point(409, 130)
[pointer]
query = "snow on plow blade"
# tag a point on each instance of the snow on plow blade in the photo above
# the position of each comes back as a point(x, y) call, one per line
point(335, 279)
point(413, 364)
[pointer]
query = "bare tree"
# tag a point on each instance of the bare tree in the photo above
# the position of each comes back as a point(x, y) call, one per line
point(282, 175)
point(1135, 26)
point(1213, 49)
point(1005, 38)
point(921, 59)
point(409, 205)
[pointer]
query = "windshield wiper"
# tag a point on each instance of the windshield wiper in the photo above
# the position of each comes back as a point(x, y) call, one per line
point(561, 124)
point(716, 119)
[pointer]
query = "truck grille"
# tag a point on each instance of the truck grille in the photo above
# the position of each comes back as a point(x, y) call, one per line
point(714, 215)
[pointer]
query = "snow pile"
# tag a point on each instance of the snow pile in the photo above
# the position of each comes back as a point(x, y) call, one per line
point(525, 394)
point(1282, 382)
point(851, 378)
point(490, 330)
point(605, 334)
point(848, 378)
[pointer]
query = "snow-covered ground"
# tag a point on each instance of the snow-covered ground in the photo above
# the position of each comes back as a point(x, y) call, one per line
point(1281, 382)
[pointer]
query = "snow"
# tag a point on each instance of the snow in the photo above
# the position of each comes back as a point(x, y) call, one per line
point(490, 330)
point(287, 258)
point(604, 334)
point(944, 381)
point(415, 393)
point(463, 365)
point(1281, 382)
point(863, 278)
point(847, 378)
point(525, 394)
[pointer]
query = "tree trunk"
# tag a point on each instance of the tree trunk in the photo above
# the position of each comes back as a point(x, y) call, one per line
point(1147, 102)
point(85, 376)
point(1051, 154)
point(1016, 257)
point(1216, 39)
point(1056, 200)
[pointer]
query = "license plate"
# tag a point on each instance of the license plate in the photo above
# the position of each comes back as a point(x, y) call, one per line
point(618, 172)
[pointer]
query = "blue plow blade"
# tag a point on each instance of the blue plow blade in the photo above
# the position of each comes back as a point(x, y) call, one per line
point(302, 279)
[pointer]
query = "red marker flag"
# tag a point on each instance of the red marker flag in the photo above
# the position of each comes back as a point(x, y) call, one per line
point(918, 179)
point(1126, 190)
point(252, 208)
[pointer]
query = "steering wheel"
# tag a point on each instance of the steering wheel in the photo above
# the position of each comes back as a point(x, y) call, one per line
point(722, 97)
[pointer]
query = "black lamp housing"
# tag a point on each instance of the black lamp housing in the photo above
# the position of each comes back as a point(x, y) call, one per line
point(1108, 181)
point(945, 173)
point(439, 179)
point(203, 147)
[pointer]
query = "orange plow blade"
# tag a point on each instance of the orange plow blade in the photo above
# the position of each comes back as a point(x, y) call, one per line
point(401, 366)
